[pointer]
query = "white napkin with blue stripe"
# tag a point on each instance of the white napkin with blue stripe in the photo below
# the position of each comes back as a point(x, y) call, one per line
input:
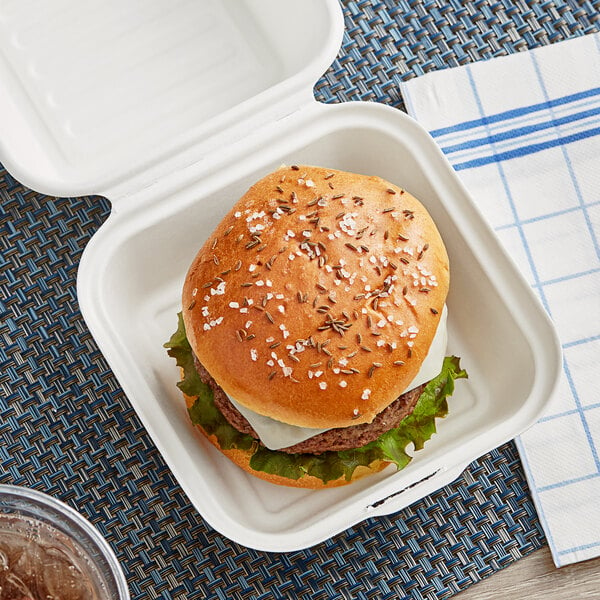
point(523, 133)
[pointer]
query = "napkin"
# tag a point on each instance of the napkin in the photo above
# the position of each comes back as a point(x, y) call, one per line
point(523, 133)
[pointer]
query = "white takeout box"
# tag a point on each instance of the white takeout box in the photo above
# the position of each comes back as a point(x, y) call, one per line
point(171, 110)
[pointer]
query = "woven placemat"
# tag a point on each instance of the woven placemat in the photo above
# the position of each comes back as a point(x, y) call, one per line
point(66, 428)
point(391, 41)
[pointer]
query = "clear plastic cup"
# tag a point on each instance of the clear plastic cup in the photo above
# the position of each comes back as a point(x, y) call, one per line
point(49, 551)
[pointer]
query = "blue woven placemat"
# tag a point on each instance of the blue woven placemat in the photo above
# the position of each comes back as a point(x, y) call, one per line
point(393, 40)
point(66, 427)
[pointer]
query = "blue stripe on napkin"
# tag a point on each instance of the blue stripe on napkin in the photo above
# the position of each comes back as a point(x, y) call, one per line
point(542, 129)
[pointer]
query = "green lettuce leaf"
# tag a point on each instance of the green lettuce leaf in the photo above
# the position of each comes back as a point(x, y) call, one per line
point(417, 428)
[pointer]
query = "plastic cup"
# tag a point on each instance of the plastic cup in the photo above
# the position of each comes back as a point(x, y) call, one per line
point(48, 550)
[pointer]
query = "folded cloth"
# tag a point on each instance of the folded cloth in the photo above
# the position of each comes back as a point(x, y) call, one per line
point(523, 133)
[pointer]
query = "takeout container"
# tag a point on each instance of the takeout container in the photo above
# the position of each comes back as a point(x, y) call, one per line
point(61, 532)
point(171, 113)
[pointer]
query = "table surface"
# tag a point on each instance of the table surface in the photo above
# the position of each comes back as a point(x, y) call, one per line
point(67, 428)
point(536, 578)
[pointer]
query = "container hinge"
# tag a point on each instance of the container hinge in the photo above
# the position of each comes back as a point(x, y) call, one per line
point(194, 162)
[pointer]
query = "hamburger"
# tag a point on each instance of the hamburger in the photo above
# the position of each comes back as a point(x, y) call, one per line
point(312, 334)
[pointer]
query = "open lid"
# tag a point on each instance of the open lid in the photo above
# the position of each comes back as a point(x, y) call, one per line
point(96, 92)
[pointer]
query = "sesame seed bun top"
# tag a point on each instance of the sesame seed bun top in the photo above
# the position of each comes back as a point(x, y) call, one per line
point(317, 297)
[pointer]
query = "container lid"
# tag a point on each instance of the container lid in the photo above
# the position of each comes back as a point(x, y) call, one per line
point(96, 92)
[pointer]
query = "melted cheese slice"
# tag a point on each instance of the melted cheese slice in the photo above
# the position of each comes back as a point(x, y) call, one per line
point(275, 434)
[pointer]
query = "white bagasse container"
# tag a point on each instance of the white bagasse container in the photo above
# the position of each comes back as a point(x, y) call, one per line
point(171, 110)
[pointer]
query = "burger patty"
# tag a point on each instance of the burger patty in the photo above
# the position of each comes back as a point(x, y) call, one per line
point(343, 438)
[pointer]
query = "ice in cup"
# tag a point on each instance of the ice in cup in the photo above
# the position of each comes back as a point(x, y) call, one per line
point(38, 562)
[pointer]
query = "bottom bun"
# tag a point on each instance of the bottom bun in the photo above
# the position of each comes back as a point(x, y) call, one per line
point(242, 459)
